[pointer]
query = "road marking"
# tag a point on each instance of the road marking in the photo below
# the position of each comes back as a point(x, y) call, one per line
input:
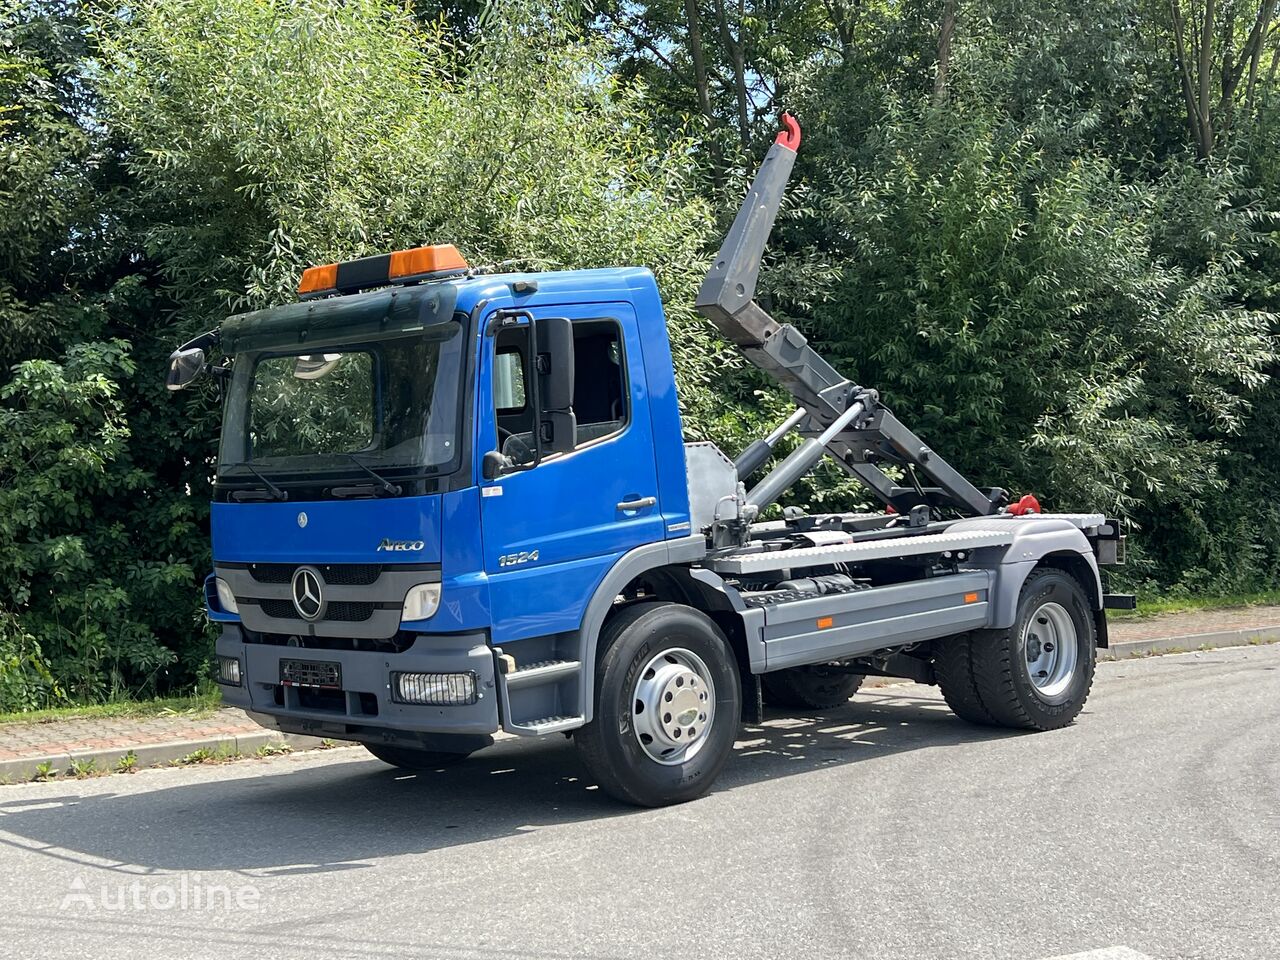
point(1106, 953)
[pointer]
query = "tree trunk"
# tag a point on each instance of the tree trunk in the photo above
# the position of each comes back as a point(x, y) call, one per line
point(699, 59)
point(945, 32)
point(844, 30)
point(1253, 48)
point(737, 58)
point(1204, 73)
point(1189, 98)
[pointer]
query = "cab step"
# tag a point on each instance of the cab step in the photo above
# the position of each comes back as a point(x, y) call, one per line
point(545, 725)
point(541, 672)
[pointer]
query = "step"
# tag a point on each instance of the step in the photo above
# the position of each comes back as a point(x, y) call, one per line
point(545, 725)
point(542, 672)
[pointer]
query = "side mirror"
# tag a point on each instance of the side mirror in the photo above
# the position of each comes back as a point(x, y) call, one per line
point(184, 367)
point(493, 465)
point(553, 366)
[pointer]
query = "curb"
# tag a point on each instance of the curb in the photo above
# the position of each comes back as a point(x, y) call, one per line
point(245, 744)
point(1250, 636)
point(154, 754)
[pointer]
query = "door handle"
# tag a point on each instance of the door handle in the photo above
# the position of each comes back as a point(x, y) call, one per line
point(638, 504)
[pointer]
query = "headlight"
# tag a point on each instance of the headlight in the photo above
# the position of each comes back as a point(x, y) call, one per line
point(421, 601)
point(226, 599)
point(229, 670)
point(435, 689)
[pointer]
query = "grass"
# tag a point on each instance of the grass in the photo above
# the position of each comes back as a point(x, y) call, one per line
point(222, 754)
point(1157, 605)
point(193, 706)
point(81, 769)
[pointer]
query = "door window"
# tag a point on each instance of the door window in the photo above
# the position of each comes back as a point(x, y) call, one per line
point(601, 402)
point(508, 381)
point(600, 395)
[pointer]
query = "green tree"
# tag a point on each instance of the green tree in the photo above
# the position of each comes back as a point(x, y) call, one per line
point(92, 584)
point(271, 136)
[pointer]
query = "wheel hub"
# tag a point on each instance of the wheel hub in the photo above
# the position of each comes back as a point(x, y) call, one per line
point(1050, 642)
point(673, 706)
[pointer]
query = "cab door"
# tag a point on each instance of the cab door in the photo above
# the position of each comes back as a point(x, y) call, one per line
point(551, 531)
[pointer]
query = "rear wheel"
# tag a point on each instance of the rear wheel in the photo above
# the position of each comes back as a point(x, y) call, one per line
point(409, 758)
point(1034, 676)
point(812, 688)
point(667, 703)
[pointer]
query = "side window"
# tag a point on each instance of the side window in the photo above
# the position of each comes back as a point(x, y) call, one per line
point(508, 381)
point(512, 411)
point(600, 395)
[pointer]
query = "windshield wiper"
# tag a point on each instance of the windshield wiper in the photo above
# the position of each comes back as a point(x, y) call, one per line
point(387, 486)
point(276, 492)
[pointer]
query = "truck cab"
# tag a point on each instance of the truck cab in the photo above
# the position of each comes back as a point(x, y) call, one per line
point(451, 503)
point(394, 490)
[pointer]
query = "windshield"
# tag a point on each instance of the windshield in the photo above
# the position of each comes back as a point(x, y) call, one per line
point(389, 404)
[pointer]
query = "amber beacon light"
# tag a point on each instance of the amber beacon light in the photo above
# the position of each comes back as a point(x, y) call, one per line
point(403, 266)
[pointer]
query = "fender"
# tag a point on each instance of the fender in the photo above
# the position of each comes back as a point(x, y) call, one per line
point(629, 566)
point(1039, 541)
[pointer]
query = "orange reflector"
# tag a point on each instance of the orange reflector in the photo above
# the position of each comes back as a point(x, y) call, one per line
point(825, 622)
point(420, 260)
point(970, 598)
point(318, 279)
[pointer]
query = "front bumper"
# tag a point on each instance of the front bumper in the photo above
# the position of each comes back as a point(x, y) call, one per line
point(363, 708)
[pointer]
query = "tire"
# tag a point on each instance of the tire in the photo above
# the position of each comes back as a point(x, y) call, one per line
point(1034, 676)
point(409, 758)
point(649, 655)
point(953, 668)
point(809, 688)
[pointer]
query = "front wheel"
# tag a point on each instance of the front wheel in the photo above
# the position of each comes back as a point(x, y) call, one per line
point(667, 703)
point(1035, 676)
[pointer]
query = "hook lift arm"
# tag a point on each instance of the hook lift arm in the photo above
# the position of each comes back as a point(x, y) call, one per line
point(843, 419)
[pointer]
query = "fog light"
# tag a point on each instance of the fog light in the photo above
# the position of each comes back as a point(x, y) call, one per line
point(229, 670)
point(226, 599)
point(421, 601)
point(434, 689)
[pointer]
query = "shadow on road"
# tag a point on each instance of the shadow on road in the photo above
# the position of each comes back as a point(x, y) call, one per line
point(339, 816)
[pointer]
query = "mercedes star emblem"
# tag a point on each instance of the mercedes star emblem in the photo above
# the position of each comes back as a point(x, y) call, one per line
point(308, 595)
point(302, 519)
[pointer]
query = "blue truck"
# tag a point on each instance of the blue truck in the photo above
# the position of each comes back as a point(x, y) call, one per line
point(452, 502)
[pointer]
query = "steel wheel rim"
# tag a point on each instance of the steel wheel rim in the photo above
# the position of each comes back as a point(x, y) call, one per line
point(673, 706)
point(1050, 642)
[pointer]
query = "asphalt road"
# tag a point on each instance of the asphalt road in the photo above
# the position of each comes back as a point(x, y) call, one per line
point(885, 829)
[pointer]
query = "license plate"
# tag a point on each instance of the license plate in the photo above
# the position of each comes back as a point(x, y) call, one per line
point(310, 673)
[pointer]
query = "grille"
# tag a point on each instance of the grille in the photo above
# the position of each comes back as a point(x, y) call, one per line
point(348, 611)
point(351, 574)
point(343, 611)
point(338, 574)
point(280, 609)
point(310, 673)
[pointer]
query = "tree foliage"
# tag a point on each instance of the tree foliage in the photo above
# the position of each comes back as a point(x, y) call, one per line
point(1046, 232)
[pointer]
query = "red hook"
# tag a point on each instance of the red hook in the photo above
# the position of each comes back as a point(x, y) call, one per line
point(1028, 504)
point(790, 137)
